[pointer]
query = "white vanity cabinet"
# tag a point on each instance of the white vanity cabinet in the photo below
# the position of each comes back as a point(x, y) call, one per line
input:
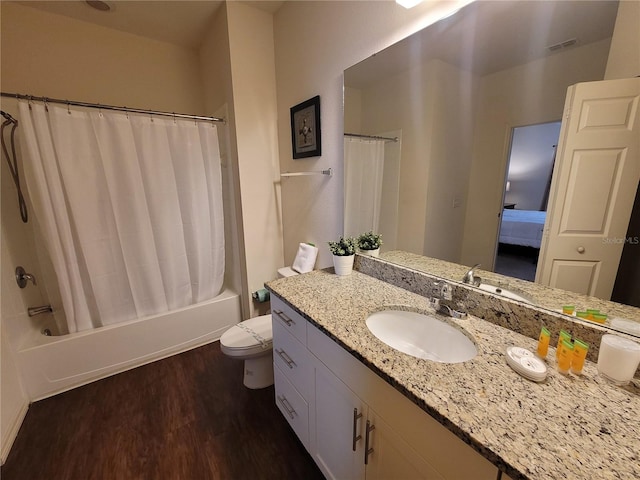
point(351, 441)
point(345, 410)
point(292, 367)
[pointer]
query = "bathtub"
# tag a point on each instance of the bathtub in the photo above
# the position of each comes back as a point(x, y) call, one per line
point(53, 364)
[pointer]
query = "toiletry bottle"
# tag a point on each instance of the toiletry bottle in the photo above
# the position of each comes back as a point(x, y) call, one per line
point(563, 336)
point(580, 350)
point(564, 357)
point(543, 343)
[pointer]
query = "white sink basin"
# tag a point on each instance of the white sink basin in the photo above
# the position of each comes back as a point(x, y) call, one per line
point(421, 336)
point(503, 292)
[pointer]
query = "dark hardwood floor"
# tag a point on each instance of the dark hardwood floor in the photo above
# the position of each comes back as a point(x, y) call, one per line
point(185, 417)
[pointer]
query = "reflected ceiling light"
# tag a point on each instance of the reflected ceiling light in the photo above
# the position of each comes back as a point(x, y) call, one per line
point(408, 3)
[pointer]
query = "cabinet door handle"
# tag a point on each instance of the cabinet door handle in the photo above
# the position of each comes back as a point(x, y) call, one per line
point(287, 406)
point(287, 359)
point(368, 451)
point(283, 316)
point(355, 437)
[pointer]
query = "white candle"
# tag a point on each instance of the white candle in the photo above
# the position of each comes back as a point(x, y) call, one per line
point(618, 359)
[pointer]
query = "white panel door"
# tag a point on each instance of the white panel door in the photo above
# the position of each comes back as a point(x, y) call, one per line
point(594, 186)
point(337, 443)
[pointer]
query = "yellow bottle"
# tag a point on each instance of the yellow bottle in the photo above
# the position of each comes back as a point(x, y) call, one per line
point(580, 350)
point(564, 357)
point(563, 336)
point(543, 343)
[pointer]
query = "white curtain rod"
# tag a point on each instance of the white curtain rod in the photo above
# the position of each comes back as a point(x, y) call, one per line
point(111, 107)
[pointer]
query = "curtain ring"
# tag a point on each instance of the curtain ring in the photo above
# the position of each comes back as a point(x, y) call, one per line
point(68, 107)
point(46, 107)
point(174, 118)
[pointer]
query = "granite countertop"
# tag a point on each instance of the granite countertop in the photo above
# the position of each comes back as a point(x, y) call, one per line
point(565, 427)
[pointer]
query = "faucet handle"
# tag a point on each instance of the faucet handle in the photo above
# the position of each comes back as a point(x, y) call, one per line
point(22, 277)
point(435, 303)
point(447, 292)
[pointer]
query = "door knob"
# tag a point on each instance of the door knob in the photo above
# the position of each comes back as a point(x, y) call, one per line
point(580, 249)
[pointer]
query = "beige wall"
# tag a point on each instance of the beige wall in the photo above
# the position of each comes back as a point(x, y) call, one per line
point(624, 57)
point(315, 42)
point(524, 95)
point(435, 152)
point(14, 401)
point(215, 68)
point(55, 56)
point(254, 102)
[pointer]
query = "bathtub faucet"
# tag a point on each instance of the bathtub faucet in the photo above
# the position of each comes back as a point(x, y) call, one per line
point(22, 277)
point(33, 311)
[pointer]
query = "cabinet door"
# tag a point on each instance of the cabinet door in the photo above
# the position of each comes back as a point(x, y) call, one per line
point(337, 428)
point(390, 457)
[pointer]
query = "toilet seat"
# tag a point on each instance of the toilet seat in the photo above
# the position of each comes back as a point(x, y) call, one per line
point(249, 338)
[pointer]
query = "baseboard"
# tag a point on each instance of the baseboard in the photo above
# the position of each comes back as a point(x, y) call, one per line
point(13, 432)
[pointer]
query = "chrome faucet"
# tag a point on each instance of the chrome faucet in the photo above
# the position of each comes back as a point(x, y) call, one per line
point(470, 278)
point(441, 305)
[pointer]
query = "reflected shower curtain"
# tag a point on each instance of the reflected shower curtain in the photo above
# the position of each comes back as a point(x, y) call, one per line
point(130, 207)
point(363, 170)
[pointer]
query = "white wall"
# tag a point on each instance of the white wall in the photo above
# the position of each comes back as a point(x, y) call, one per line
point(531, 164)
point(624, 57)
point(315, 42)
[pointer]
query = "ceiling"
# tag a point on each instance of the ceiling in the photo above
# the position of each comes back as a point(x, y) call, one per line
point(490, 36)
point(180, 22)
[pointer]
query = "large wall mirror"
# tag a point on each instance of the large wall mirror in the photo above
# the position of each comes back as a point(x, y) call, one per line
point(457, 124)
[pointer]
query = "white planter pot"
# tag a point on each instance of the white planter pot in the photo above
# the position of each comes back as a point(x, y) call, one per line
point(371, 253)
point(343, 265)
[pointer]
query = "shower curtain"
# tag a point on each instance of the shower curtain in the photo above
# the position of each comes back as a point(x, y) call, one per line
point(363, 171)
point(130, 207)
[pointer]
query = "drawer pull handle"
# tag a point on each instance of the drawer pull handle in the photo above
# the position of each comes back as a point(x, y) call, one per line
point(283, 316)
point(356, 416)
point(368, 451)
point(287, 406)
point(287, 359)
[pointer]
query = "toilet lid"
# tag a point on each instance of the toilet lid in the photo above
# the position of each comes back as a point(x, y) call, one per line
point(287, 272)
point(250, 333)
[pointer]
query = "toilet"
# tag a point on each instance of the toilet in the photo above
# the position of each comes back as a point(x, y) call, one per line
point(252, 341)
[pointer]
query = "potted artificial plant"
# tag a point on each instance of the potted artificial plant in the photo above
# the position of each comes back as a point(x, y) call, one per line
point(369, 243)
point(343, 254)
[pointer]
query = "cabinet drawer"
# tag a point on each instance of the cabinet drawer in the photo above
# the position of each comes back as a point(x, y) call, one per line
point(289, 318)
point(293, 359)
point(294, 408)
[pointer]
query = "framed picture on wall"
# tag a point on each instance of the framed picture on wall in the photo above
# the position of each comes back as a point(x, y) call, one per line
point(305, 129)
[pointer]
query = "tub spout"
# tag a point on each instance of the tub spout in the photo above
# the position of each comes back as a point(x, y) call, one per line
point(33, 311)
